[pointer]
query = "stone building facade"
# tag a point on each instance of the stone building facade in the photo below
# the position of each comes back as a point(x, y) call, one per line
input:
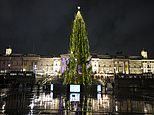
point(40, 65)
point(53, 66)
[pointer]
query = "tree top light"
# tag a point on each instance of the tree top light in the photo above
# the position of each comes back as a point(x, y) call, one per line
point(78, 7)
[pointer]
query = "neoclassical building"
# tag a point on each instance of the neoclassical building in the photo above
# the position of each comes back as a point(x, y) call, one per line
point(102, 65)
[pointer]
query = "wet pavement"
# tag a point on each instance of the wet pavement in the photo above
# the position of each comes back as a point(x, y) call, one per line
point(58, 100)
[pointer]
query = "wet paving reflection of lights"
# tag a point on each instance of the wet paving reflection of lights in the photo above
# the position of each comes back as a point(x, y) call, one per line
point(45, 101)
point(3, 107)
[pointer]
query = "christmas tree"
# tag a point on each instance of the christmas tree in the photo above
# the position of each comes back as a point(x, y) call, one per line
point(79, 66)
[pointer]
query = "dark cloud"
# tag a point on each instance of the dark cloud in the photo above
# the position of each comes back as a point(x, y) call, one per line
point(122, 25)
point(44, 26)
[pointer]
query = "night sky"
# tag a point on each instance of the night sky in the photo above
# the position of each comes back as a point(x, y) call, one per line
point(44, 26)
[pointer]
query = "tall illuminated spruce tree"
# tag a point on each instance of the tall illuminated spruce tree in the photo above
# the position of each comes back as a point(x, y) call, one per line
point(79, 66)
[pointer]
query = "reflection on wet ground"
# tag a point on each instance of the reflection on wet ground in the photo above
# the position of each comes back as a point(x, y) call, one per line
point(56, 99)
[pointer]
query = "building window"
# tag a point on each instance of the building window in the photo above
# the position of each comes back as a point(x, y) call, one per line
point(148, 66)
